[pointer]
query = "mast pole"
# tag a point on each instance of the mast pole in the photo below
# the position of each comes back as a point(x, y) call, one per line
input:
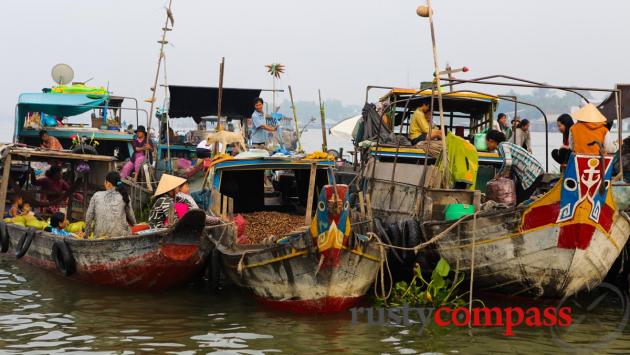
point(163, 42)
point(439, 89)
point(322, 113)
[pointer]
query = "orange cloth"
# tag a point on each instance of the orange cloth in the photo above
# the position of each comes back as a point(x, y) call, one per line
point(53, 144)
point(584, 133)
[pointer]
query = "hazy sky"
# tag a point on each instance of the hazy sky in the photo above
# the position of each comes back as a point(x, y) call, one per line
point(338, 46)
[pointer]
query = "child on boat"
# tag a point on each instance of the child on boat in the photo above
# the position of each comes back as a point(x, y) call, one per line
point(16, 206)
point(57, 224)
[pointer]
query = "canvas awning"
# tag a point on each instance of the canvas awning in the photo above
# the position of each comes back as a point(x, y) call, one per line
point(199, 101)
point(345, 128)
point(608, 109)
point(62, 105)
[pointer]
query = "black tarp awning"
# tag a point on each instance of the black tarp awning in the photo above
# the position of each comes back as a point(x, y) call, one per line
point(607, 107)
point(199, 101)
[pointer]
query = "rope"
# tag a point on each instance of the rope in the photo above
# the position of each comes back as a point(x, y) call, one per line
point(432, 240)
point(472, 266)
point(384, 266)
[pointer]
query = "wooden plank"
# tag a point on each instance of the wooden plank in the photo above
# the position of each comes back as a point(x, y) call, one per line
point(216, 202)
point(30, 152)
point(224, 206)
point(370, 215)
point(230, 208)
point(5, 180)
point(147, 176)
point(311, 191)
point(362, 205)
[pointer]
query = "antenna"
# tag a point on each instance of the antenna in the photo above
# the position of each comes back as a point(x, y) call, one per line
point(62, 74)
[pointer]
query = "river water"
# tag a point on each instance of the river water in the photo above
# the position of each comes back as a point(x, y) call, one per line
point(41, 312)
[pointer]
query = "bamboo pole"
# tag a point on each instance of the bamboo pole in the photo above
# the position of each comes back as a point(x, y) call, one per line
point(157, 72)
point(297, 126)
point(311, 191)
point(439, 89)
point(322, 114)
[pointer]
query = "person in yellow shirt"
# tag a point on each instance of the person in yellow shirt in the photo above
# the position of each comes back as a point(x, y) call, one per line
point(419, 126)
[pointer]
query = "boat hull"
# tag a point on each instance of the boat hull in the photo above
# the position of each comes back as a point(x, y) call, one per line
point(146, 262)
point(296, 277)
point(529, 263)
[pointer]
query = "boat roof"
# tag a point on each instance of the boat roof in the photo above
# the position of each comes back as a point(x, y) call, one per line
point(63, 105)
point(453, 95)
point(272, 163)
point(201, 101)
point(28, 153)
point(472, 103)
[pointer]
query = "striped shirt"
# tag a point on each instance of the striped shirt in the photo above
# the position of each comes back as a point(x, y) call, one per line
point(521, 162)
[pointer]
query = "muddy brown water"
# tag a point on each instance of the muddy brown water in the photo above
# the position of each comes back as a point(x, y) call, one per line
point(41, 313)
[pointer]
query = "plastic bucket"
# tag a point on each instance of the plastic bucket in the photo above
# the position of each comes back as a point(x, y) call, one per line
point(480, 142)
point(458, 210)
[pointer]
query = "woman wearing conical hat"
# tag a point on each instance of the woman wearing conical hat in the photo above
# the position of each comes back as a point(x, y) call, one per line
point(163, 213)
point(591, 127)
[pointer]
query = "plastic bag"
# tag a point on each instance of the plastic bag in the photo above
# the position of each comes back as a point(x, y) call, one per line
point(501, 190)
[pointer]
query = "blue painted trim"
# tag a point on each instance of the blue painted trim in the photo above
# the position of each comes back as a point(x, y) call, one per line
point(99, 135)
point(422, 156)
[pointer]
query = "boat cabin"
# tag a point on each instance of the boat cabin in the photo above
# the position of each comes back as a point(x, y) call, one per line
point(267, 184)
point(24, 168)
point(100, 118)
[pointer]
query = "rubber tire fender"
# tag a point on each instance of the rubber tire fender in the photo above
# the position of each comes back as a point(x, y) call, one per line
point(85, 149)
point(215, 269)
point(64, 260)
point(4, 237)
point(411, 229)
point(25, 242)
point(382, 233)
point(397, 238)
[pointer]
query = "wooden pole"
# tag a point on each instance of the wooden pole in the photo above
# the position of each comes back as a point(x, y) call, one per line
point(297, 127)
point(311, 190)
point(157, 72)
point(322, 114)
point(5, 179)
point(219, 104)
point(439, 89)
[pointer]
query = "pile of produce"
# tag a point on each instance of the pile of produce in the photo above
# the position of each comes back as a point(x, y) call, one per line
point(262, 225)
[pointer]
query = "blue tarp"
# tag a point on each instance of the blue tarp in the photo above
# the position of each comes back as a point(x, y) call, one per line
point(63, 105)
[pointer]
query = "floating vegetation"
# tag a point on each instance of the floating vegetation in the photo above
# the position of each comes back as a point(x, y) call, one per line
point(440, 291)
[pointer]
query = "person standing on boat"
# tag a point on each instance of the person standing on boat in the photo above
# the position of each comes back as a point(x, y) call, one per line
point(142, 148)
point(259, 133)
point(522, 136)
point(525, 168)
point(561, 155)
point(419, 125)
point(109, 212)
point(591, 127)
point(501, 125)
point(162, 213)
point(48, 141)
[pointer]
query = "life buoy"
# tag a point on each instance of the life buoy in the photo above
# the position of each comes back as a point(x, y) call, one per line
point(25, 242)
point(382, 233)
point(4, 237)
point(62, 255)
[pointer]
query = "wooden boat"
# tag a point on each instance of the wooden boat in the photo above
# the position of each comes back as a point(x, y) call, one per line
point(327, 265)
point(560, 243)
point(156, 259)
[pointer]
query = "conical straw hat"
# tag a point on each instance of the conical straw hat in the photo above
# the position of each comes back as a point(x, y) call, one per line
point(589, 113)
point(167, 183)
